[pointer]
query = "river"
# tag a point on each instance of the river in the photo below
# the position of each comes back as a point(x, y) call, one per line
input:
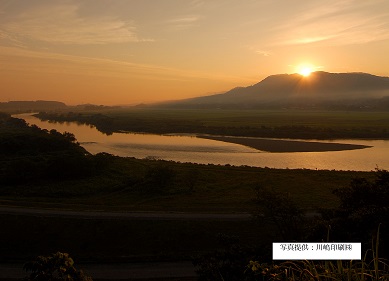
point(186, 148)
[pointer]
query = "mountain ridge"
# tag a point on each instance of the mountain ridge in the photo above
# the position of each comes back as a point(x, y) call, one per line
point(294, 89)
point(36, 105)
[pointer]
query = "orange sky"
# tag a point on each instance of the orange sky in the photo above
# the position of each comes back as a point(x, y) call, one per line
point(130, 51)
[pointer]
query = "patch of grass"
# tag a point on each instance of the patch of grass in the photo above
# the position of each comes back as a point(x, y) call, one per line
point(371, 267)
point(212, 188)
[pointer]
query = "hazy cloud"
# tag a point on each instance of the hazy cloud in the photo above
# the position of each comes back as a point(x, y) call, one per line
point(188, 19)
point(63, 24)
point(263, 53)
point(197, 3)
point(339, 23)
point(11, 39)
point(78, 65)
point(183, 22)
point(258, 51)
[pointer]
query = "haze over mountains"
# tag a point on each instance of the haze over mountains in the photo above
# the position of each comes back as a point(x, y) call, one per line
point(318, 90)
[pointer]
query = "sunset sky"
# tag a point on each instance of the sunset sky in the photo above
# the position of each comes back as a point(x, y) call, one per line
point(140, 51)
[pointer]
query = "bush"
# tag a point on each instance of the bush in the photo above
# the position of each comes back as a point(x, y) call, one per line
point(56, 267)
point(370, 268)
point(160, 177)
point(364, 205)
point(281, 210)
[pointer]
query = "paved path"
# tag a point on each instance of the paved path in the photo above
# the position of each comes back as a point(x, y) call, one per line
point(122, 215)
point(129, 215)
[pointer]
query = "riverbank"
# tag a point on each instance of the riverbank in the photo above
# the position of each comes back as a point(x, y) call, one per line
point(324, 155)
point(277, 145)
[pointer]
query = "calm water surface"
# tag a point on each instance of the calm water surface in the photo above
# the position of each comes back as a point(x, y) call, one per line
point(197, 150)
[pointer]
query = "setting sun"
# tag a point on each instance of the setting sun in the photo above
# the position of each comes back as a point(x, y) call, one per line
point(305, 71)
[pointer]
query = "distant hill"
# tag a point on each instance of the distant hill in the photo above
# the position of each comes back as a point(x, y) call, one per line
point(31, 106)
point(320, 89)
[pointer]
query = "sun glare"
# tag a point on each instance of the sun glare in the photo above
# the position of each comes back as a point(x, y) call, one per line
point(305, 71)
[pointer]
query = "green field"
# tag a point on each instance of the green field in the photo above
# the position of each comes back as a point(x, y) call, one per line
point(217, 189)
point(254, 118)
point(302, 124)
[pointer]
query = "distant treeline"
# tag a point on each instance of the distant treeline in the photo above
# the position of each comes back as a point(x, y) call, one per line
point(153, 124)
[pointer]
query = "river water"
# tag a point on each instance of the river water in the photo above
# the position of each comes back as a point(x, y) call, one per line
point(197, 150)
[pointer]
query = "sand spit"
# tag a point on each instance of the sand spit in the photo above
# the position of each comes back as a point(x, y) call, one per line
point(278, 145)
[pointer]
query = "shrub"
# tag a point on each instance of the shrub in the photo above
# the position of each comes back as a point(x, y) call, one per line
point(55, 267)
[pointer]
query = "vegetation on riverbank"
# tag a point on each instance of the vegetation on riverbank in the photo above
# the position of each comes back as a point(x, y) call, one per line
point(44, 175)
point(296, 124)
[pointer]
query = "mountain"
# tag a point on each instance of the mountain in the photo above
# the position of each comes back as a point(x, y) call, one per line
point(319, 89)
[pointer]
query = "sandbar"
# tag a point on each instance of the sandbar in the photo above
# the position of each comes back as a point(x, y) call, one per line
point(278, 145)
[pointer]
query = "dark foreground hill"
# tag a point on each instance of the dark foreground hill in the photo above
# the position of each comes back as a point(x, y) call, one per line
point(318, 90)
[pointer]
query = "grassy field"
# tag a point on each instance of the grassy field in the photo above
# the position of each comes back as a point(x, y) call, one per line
point(192, 188)
point(255, 118)
point(302, 124)
point(217, 189)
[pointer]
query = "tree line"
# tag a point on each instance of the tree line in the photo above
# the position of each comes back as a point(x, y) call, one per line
point(30, 154)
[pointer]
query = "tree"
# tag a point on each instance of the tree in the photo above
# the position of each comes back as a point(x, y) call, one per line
point(279, 208)
point(364, 205)
point(363, 208)
point(56, 267)
point(160, 177)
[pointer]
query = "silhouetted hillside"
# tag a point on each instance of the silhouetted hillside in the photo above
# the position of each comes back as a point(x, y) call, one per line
point(320, 89)
point(26, 106)
point(30, 155)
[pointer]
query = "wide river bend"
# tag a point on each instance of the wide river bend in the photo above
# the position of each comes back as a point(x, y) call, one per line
point(187, 148)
